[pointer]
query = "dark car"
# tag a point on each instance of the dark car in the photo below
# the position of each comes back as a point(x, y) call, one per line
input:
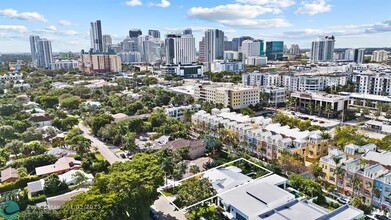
point(154, 214)
point(381, 217)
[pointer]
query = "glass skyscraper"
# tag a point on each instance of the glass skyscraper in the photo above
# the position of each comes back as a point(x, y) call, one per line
point(274, 50)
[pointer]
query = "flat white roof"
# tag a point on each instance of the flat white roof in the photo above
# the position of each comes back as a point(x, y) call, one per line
point(235, 117)
point(369, 97)
point(285, 130)
point(226, 178)
point(383, 158)
point(258, 196)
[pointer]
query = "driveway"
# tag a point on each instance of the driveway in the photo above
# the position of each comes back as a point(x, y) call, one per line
point(166, 210)
point(102, 147)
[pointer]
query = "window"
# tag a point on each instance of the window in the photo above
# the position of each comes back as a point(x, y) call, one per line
point(240, 217)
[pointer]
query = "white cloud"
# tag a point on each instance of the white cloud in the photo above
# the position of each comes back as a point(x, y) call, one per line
point(229, 12)
point(257, 23)
point(69, 32)
point(338, 31)
point(14, 28)
point(163, 4)
point(195, 29)
point(239, 15)
point(133, 3)
point(29, 16)
point(51, 28)
point(274, 3)
point(65, 23)
point(312, 8)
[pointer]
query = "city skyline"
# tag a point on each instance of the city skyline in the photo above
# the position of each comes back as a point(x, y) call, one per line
point(67, 24)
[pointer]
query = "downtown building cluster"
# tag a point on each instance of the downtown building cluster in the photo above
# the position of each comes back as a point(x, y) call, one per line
point(176, 53)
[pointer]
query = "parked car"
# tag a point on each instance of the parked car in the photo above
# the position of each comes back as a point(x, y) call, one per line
point(342, 200)
point(381, 217)
point(154, 214)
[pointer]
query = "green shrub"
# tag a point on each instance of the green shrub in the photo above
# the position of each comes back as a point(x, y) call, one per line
point(18, 184)
point(30, 163)
point(36, 199)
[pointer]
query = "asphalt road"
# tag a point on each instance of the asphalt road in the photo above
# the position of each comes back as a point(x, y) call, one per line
point(102, 147)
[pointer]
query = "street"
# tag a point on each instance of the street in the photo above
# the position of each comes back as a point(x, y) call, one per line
point(102, 147)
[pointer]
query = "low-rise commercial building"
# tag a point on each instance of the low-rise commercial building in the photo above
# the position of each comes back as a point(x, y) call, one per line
point(227, 94)
point(186, 71)
point(320, 103)
point(225, 65)
point(366, 100)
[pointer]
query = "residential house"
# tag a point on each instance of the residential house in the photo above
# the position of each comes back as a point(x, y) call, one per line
point(36, 187)
point(41, 119)
point(252, 199)
point(9, 175)
point(119, 117)
point(226, 178)
point(367, 178)
point(63, 165)
point(196, 147)
point(266, 198)
point(382, 192)
point(383, 158)
point(354, 151)
point(330, 163)
point(70, 178)
point(56, 202)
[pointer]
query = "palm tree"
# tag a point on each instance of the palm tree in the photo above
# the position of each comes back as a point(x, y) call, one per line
point(339, 172)
point(318, 108)
point(168, 167)
point(79, 143)
point(337, 160)
point(325, 136)
point(79, 178)
point(356, 185)
point(194, 169)
point(187, 115)
point(311, 107)
point(328, 110)
point(363, 163)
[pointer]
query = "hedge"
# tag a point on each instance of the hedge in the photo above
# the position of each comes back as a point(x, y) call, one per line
point(18, 184)
point(30, 163)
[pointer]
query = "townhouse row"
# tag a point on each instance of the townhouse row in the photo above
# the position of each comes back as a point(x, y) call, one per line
point(360, 171)
point(262, 137)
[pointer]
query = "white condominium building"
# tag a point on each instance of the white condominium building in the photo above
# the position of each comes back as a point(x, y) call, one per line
point(379, 56)
point(295, 81)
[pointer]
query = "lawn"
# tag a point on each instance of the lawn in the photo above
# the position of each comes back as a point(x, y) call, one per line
point(210, 213)
point(165, 193)
point(99, 157)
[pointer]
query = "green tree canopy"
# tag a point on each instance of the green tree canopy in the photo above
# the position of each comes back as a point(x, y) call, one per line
point(72, 102)
point(126, 192)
